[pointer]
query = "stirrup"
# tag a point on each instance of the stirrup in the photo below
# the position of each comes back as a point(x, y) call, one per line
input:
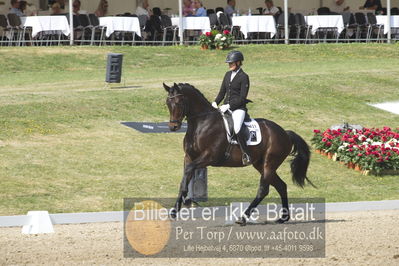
point(246, 160)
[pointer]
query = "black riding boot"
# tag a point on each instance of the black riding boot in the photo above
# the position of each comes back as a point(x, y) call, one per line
point(246, 160)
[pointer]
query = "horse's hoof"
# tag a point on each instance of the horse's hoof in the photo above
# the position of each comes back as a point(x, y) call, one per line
point(173, 214)
point(242, 221)
point(187, 202)
point(283, 220)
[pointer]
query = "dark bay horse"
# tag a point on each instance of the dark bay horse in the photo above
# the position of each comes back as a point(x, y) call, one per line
point(205, 144)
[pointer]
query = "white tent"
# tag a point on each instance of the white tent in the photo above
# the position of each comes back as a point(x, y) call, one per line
point(285, 3)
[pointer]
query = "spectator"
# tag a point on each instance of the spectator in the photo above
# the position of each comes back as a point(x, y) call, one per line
point(230, 8)
point(15, 8)
point(61, 3)
point(56, 9)
point(200, 10)
point(142, 8)
point(339, 7)
point(22, 7)
point(102, 8)
point(188, 8)
point(372, 5)
point(270, 8)
point(76, 7)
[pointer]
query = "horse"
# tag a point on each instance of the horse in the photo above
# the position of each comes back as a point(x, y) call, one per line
point(205, 144)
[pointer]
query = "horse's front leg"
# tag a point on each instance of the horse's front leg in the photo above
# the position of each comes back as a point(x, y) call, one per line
point(189, 168)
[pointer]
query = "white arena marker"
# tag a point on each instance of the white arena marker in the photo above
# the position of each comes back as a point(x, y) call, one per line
point(40, 223)
point(392, 107)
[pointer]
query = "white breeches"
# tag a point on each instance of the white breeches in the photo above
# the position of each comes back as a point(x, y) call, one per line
point(238, 118)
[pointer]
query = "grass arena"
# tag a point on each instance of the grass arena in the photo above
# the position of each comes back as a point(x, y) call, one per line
point(63, 149)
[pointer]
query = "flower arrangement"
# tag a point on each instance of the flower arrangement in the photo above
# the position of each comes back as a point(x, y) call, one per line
point(223, 40)
point(215, 39)
point(371, 149)
point(206, 40)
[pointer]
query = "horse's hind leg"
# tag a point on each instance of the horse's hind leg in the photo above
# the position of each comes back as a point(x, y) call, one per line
point(269, 177)
point(281, 188)
point(263, 191)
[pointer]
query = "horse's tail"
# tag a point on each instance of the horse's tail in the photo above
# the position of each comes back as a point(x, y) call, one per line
point(300, 163)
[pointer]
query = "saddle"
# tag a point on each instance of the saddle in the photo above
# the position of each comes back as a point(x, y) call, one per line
point(250, 126)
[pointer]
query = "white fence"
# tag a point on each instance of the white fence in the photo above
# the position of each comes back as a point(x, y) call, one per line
point(36, 222)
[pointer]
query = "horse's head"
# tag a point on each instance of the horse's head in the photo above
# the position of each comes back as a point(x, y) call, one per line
point(176, 105)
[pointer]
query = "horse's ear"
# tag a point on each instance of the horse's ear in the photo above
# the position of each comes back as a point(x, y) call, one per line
point(166, 87)
point(176, 87)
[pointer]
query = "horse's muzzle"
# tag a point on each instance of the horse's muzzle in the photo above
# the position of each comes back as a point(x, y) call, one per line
point(174, 125)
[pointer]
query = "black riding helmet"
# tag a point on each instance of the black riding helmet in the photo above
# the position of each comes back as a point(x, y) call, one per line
point(234, 56)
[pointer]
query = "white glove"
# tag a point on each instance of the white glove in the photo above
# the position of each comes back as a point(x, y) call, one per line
point(224, 108)
point(214, 105)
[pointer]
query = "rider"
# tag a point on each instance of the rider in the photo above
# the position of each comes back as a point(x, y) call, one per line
point(235, 87)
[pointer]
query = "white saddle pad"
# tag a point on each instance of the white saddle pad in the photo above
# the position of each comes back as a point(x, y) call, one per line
point(255, 136)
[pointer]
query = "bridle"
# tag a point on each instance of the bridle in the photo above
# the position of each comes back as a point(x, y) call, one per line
point(185, 109)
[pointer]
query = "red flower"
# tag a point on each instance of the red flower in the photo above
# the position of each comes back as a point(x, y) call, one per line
point(208, 34)
point(226, 32)
point(316, 131)
point(328, 144)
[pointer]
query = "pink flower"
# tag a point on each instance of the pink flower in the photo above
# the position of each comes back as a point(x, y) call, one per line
point(226, 32)
point(208, 34)
point(316, 131)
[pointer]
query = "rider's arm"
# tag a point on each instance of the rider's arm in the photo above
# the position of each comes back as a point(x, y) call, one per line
point(222, 91)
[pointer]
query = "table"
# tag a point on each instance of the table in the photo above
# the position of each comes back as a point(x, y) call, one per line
point(325, 21)
point(382, 20)
point(46, 23)
point(113, 24)
point(193, 23)
point(255, 24)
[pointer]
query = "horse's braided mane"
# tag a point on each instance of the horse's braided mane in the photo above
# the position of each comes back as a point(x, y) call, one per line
point(187, 86)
